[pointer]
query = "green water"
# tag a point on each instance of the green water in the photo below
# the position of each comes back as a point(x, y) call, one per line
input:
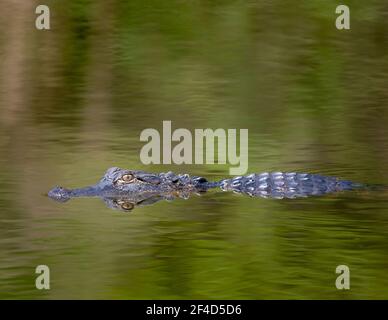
point(74, 99)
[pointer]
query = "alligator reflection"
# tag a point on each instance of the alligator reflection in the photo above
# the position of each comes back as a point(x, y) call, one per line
point(127, 204)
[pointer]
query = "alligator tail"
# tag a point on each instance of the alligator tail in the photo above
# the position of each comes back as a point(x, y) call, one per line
point(280, 185)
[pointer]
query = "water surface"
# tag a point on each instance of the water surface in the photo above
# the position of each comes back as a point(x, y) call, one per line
point(73, 101)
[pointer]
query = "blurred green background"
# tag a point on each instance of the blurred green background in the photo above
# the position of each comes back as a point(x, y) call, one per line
point(74, 99)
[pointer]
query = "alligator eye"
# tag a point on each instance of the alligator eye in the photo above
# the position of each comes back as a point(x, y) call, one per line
point(124, 204)
point(127, 177)
point(127, 206)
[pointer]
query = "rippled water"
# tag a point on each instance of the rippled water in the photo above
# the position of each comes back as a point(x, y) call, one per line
point(74, 101)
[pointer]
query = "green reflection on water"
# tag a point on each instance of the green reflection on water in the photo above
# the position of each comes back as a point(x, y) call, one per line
point(75, 99)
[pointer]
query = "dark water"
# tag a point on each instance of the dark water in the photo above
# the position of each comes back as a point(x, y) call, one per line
point(73, 101)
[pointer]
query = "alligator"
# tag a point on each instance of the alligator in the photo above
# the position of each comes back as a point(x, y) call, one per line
point(125, 189)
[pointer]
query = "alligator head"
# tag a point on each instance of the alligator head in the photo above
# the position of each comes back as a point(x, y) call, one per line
point(122, 188)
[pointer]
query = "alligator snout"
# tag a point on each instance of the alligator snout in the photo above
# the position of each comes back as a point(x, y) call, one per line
point(59, 194)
